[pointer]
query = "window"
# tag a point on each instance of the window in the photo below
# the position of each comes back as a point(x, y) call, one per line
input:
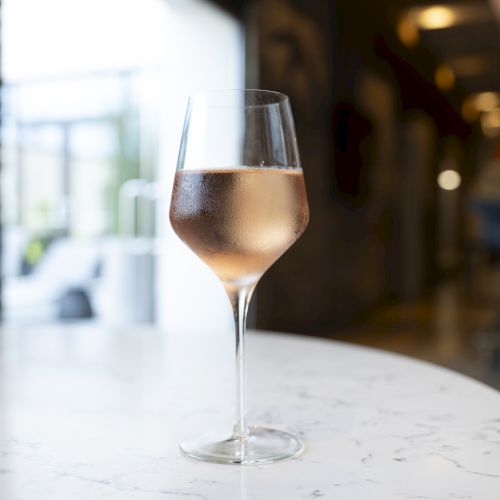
point(94, 97)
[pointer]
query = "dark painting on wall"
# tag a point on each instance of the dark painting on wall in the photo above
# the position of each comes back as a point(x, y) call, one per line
point(344, 261)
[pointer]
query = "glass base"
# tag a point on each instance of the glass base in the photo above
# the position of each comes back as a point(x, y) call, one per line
point(262, 445)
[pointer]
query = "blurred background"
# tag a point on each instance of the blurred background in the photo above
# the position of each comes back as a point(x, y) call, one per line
point(397, 110)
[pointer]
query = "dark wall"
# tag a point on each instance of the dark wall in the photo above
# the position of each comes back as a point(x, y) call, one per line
point(360, 110)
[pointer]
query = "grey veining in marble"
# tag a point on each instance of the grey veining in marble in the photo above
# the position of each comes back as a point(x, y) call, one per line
point(95, 413)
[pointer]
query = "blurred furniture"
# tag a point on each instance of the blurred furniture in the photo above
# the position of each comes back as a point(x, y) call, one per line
point(488, 340)
point(68, 265)
point(127, 293)
point(96, 413)
point(489, 211)
point(482, 236)
point(14, 242)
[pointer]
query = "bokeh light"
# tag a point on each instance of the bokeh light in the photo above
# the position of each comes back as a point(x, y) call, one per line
point(449, 180)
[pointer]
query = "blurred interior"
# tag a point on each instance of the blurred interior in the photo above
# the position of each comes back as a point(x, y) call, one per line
point(397, 110)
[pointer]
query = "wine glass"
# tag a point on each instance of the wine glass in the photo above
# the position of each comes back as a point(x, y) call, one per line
point(239, 202)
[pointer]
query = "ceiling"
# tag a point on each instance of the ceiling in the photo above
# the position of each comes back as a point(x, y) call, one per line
point(470, 46)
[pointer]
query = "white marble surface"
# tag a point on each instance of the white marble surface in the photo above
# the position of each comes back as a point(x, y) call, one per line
point(90, 413)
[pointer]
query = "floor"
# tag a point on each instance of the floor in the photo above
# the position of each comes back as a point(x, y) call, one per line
point(454, 327)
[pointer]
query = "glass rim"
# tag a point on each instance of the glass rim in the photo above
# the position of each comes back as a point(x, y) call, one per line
point(279, 97)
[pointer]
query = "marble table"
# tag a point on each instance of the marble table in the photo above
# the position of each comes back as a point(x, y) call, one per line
point(94, 413)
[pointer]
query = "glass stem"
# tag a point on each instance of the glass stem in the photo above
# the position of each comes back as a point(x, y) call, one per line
point(240, 299)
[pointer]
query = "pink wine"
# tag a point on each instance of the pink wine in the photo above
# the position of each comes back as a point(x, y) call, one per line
point(239, 221)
